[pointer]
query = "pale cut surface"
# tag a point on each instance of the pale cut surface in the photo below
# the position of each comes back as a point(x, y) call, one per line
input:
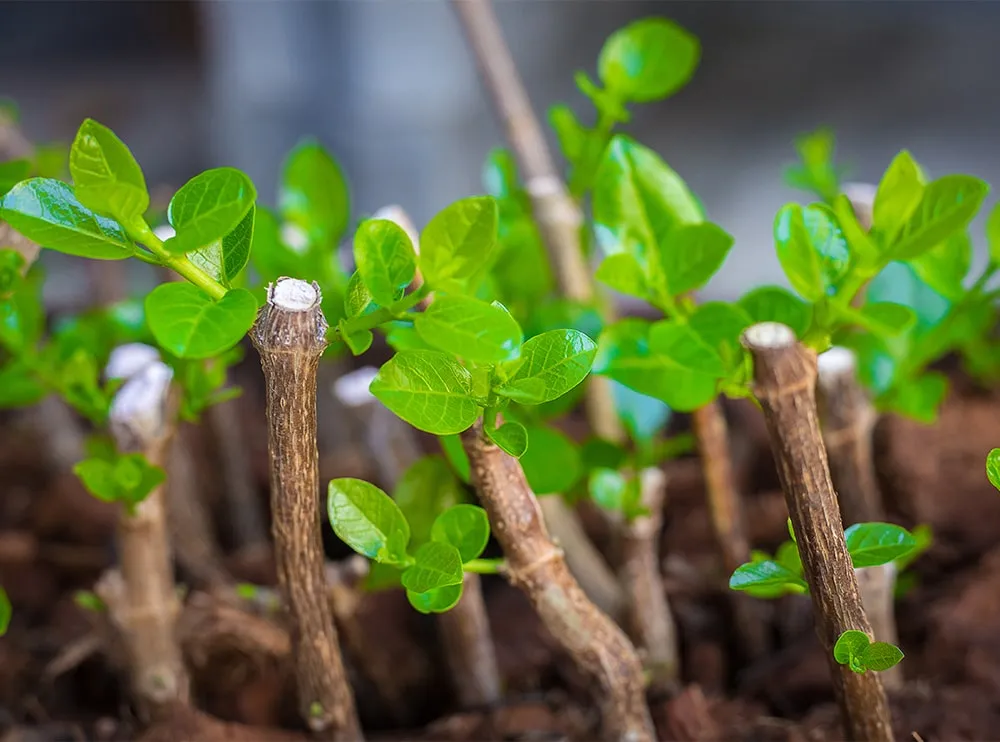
point(294, 295)
point(769, 335)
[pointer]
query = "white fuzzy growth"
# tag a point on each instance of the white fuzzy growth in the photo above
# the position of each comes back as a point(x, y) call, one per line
point(128, 360)
point(352, 389)
point(771, 335)
point(836, 363)
point(137, 411)
point(294, 295)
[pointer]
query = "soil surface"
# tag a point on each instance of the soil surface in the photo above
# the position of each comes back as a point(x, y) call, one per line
point(61, 674)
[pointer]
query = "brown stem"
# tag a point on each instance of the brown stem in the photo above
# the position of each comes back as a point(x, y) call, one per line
point(536, 566)
point(785, 386)
point(468, 647)
point(650, 623)
point(848, 421)
point(726, 514)
point(290, 336)
point(145, 606)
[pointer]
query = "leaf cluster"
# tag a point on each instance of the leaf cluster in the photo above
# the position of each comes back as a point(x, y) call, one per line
point(857, 651)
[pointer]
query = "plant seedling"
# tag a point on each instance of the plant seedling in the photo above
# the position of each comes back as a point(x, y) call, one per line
point(861, 654)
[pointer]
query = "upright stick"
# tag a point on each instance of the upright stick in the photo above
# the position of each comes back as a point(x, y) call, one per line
point(536, 566)
point(848, 421)
point(785, 386)
point(290, 336)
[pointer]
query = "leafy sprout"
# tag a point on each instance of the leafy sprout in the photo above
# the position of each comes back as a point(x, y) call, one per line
point(857, 651)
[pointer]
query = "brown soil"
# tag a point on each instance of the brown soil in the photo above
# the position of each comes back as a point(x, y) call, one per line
point(61, 677)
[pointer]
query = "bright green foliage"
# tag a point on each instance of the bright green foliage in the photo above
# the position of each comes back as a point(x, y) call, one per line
point(873, 544)
point(993, 467)
point(456, 244)
point(368, 520)
point(775, 304)
point(5, 611)
point(857, 651)
point(613, 490)
point(436, 601)
point(648, 60)
point(552, 462)
point(208, 207)
point(106, 177)
point(313, 196)
point(435, 565)
point(189, 324)
point(89, 601)
point(763, 576)
point(385, 259)
point(203, 382)
point(428, 487)
point(817, 172)
point(126, 478)
point(465, 527)
point(12, 172)
point(512, 437)
point(550, 365)
point(224, 259)
point(471, 329)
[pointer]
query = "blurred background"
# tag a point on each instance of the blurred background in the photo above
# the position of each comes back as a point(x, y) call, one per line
point(390, 88)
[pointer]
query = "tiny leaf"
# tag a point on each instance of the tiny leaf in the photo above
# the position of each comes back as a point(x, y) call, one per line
point(765, 574)
point(436, 601)
point(457, 242)
point(106, 177)
point(850, 645)
point(368, 520)
point(465, 527)
point(898, 195)
point(874, 544)
point(511, 437)
point(313, 194)
point(947, 206)
point(5, 611)
point(993, 467)
point(435, 565)
point(607, 488)
point(880, 656)
point(648, 59)
point(560, 359)
point(385, 259)
point(208, 207)
point(775, 304)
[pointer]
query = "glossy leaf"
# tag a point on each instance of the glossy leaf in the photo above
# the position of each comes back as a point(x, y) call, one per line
point(993, 467)
point(851, 645)
point(457, 242)
point(48, 213)
point(425, 489)
point(765, 574)
point(683, 346)
point(224, 259)
point(106, 177)
point(368, 520)
point(465, 527)
point(385, 259)
point(208, 207)
point(436, 601)
point(947, 206)
point(880, 656)
point(898, 195)
point(429, 390)
point(693, 253)
point(648, 59)
point(470, 329)
point(435, 565)
point(188, 324)
point(622, 273)
point(313, 195)
point(775, 304)
point(552, 462)
point(559, 359)
point(874, 544)
point(511, 437)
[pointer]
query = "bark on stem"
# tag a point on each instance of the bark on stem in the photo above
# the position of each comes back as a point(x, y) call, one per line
point(143, 602)
point(650, 623)
point(726, 514)
point(560, 220)
point(848, 421)
point(290, 336)
point(785, 386)
point(536, 566)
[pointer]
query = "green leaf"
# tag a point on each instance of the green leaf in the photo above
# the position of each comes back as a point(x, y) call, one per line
point(436, 601)
point(775, 304)
point(862, 245)
point(208, 207)
point(366, 519)
point(385, 259)
point(224, 259)
point(358, 298)
point(945, 266)
point(47, 212)
point(766, 574)
point(127, 479)
point(425, 489)
point(552, 462)
point(851, 645)
point(5, 611)
point(511, 437)
point(465, 527)
point(993, 233)
point(880, 656)
point(817, 172)
point(435, 565)
point(428, 389)
point(106, 177)
point(683, 346)
point(470, 329)
point(622, 273)
point(608, 488)
point(313, 194)
point(887, 318)
point(451, 445)
point(648, 60)
point(693, 253)
point(458, 241)
point(624, 355)
point(898, 195)
point(874, 544)
point(993, 467)
point(947, 206)
point(720, 326)
point(358, 341)
point(560, 359)
point(189, 324)
point(569, 131)
point(811, 248)
point(12, 172)
point(19, 386)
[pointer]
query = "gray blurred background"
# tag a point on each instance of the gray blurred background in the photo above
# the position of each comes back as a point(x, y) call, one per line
point(390, 88)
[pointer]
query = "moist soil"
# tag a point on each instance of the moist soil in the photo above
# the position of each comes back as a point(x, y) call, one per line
point(61, 672)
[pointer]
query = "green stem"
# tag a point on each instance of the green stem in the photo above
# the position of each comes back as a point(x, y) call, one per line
point(179, 264)
point(485, 566)
point(385, 314)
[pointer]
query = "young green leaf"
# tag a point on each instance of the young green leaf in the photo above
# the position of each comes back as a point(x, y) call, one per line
point(189, 324)
point(811, 248)
point(607, 488)
point(766, 574)
point(19, 386)
point(552, 463)
point(898, 195)
point(358, 341)
point(993, 467)
point(368, 520)
point(569, 131)
point(208, 207)
point(313, 195)
point(559, 359)
point(880, 656)
point(680, 343)
point(720, 325)
point(850, 647)
point(511, 437)
point(435, 565)
point(428, 389)
point(947, 206)
point(692, 254)
point(775, 304)
point(470, 329)
point(874, 544)
point(465, 527)
point(358, 298)
point(457, 242)
point(425, 489)
point(817, 172)
point(106, 177)
point(224, 259)
point(622, 273)
point(648, 59)
point(945, 266)
point(5, 612)
point(385, 259)
point(48, 213)
point(127, 479)
point(886, 319)
point(436, 601)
